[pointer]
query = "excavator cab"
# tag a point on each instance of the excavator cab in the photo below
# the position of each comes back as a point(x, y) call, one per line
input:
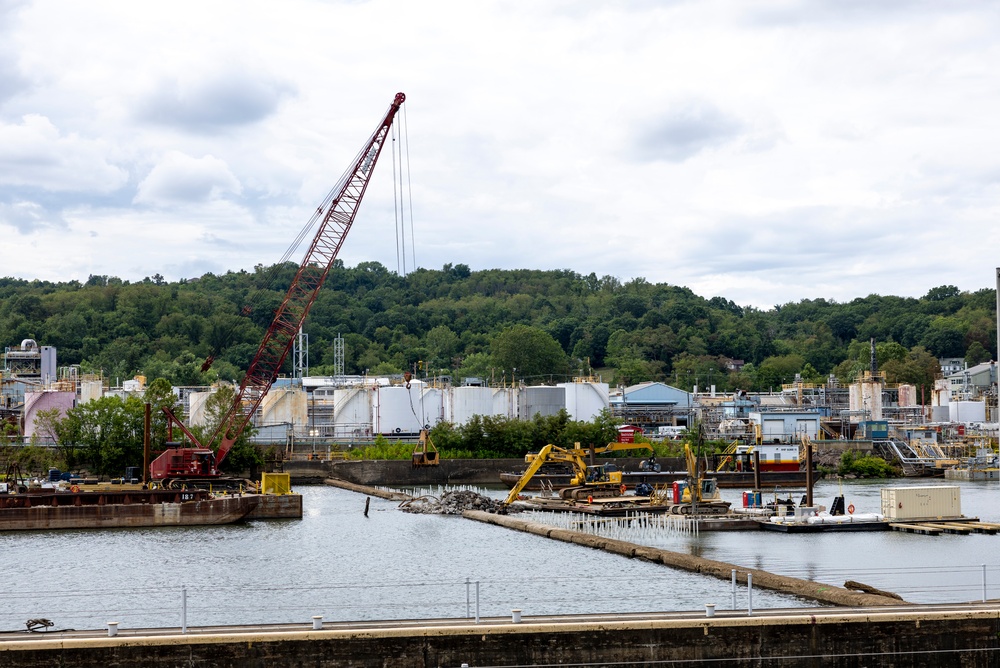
point(425, 454)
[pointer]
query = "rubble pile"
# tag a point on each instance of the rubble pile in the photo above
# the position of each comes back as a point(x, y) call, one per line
point(454, 503)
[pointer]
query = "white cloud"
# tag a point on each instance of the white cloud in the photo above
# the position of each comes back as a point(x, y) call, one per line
point(767, 152)
point(181, 179)
point(36, 154)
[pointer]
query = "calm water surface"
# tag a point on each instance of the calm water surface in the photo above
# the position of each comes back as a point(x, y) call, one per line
point(392, 565)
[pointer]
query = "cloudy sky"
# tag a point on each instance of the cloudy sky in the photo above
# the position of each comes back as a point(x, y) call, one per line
point(763, 151)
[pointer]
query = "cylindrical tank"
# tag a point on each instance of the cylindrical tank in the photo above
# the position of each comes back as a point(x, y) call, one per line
point(505, 402)
point(432, 406)
point(196, 409)
point(352, 412)
point(90, 390)
point(284, 405)
point(540, 400)
point(44, 401)
point(585, 401)
point(907, 395)
point(398, 410)
point(470, 400)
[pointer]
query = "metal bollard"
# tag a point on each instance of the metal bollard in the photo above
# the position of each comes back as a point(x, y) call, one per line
point(317, 622)
point(710, 609)
point(112, 629)
point(749, 593)
point(734, 589)
point(515, 616)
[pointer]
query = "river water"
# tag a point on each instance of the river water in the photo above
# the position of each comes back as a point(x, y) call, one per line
point(337, 563)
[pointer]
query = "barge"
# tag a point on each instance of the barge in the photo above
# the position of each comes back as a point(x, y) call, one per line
point(727, 479)
point(51, 509)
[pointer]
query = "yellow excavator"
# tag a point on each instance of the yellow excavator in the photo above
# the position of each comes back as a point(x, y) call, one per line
point(701, 495)
point(598, 481)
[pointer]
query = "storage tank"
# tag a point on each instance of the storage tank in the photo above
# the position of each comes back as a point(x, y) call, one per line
point(284, 405)
point(90, 390)
point(505, 402)
point(865, 401)
point(540, 400)
point(45, 401)
point(967, 411)
point(432, 405)
point(585, 401)
point(470, 400)
point(908, 395)
point(398, 410)
point(352, 412)
point(197, 412)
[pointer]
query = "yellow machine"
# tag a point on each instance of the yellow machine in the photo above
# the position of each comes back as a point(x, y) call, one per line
point(424, 453)
point(705, 499)
point(603, 480)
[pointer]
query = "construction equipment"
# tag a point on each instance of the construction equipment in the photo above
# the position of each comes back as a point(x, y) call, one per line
point(597, 481)
point(700, 496)
point(333, 218)
point(424, 453)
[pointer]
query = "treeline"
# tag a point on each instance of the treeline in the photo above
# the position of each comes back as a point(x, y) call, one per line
point(536, 326)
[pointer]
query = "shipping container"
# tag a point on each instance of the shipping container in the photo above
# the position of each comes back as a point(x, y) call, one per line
point(914, 503)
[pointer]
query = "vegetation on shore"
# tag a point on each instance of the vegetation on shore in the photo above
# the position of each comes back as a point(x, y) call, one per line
point(535, 326)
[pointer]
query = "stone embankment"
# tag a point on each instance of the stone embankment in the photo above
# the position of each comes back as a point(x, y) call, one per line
point(816, 591)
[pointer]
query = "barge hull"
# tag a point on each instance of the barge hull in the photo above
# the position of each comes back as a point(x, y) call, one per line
point(224, 510)
point(726, 479)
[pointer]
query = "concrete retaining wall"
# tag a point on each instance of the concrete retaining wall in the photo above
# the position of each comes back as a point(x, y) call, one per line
point(816, 591)
point(899, 639)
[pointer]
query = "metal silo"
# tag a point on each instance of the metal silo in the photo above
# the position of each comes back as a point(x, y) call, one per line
point(541, 400)
point(470, 400)
point(585, 401)
point(398, 410)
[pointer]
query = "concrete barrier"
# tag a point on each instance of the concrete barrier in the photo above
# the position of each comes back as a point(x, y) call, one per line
point(816, 591)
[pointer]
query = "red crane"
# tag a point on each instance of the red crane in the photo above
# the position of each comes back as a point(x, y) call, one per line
point(335, 216)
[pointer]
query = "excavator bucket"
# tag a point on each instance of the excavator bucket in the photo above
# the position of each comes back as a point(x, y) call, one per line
point(425, 454)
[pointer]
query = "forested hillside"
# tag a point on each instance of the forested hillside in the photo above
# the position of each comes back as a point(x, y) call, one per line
point(536, 325)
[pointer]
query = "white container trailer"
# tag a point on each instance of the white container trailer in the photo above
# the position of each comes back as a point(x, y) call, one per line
point(470, 400)
point(585, 401)
point(916, 503)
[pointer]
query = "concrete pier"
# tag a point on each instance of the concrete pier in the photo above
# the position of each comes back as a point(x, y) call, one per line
point(816, 591)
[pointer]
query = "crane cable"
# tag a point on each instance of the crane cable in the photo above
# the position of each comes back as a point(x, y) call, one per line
point(257, 295)
point(402, 193)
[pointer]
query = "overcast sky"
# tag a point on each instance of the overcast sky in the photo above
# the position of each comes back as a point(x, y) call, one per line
point(766, 151)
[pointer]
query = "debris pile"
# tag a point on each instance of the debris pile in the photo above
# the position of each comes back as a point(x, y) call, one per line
point(454, 503)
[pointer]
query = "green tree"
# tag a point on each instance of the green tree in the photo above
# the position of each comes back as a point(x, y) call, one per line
point(109, 430)
point(529, 353)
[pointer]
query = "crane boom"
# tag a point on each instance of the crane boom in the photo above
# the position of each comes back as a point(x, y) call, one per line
point(334, 217)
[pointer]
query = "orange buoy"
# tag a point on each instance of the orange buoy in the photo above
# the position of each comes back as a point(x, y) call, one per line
point(623, 488)
point(850, 509)
point(74, 488)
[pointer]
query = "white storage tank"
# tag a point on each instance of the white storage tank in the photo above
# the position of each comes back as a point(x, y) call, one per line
point(470, 400)
point(352, 412)
point(914, 503)
point(197, 413)
point(585, 401)
point(540, 400)
point(505, 402)
point(865, 401)
point(432, 405)
point(284, 405)
point(398, 410)
point(967, 411)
